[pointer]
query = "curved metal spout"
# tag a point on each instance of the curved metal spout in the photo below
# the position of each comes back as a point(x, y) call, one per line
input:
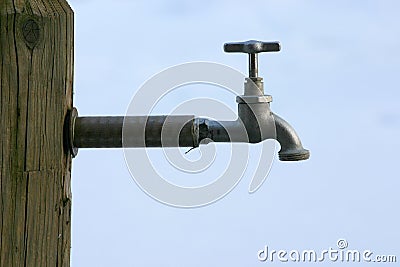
point(291, 147)
point(234, 131)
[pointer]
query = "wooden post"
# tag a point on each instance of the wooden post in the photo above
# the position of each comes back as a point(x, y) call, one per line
point(36, 76)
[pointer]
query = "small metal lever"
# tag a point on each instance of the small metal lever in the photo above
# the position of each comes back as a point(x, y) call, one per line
point(252, 48)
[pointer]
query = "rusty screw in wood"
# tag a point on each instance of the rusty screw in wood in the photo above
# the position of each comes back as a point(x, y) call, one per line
point(31, 32)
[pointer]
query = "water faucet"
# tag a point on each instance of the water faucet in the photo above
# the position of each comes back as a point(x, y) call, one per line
point(254, 107)
point(255, 121)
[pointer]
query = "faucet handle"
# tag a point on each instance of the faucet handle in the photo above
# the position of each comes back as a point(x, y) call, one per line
point(252, 48)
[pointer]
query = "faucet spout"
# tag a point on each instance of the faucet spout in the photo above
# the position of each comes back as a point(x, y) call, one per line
point(291, 147)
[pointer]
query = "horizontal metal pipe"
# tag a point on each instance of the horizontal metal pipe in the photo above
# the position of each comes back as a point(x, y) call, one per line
point(107, 132)
point(153, 131)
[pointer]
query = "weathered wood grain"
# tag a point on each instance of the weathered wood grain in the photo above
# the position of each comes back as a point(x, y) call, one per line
point(36, 76)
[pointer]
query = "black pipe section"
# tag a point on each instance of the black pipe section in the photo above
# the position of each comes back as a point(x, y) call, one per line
point(99, 132)
point(106, 132)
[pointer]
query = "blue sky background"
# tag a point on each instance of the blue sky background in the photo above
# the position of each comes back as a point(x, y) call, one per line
point(336, 81)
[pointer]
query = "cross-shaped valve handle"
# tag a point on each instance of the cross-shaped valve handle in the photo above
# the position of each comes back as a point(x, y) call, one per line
point(252, 48)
